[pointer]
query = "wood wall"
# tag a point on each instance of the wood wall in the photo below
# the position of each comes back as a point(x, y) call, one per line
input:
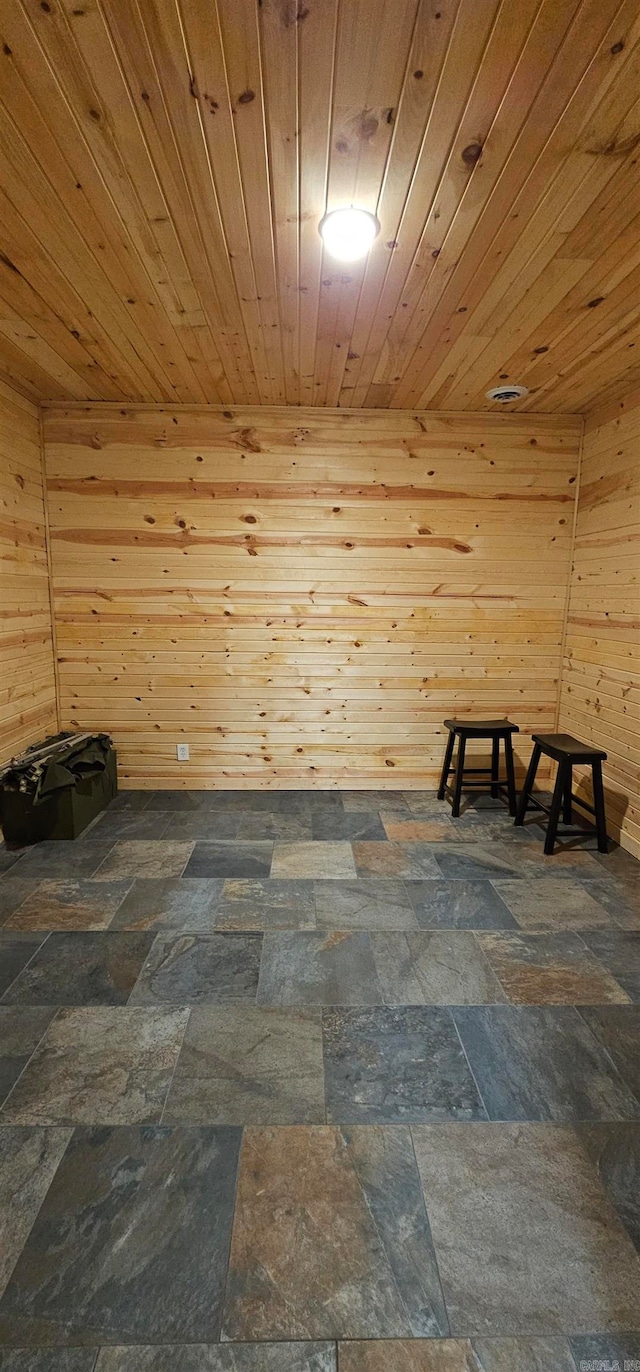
point(303, 596)
point(601, 671)
point(27, 682)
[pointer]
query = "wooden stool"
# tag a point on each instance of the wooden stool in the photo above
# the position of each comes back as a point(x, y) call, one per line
point(566, 751)
point(463, 729)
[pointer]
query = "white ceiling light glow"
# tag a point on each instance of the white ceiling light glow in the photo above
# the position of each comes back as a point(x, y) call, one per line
point(348, 234)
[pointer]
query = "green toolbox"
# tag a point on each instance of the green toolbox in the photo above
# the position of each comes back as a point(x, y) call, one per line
point(55, 788)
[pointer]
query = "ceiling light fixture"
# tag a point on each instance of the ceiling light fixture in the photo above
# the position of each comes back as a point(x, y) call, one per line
point(348, 234)
point(506, 394)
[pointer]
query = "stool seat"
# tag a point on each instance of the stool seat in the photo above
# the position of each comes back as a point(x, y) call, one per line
point(481, 728)
point(564, 746)
point(567, 752)
point(462, 730)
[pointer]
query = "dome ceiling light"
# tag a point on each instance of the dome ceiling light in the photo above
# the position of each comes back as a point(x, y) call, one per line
point(348, 234)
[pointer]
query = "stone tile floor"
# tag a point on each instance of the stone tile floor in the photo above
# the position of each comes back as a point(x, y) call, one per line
point(318, 1082)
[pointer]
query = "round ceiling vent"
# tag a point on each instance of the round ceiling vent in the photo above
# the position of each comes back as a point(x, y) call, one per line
point(505, 394)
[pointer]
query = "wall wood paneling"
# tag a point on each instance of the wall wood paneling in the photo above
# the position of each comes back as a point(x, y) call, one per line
point(601, 674)
point(27, 682)
point(303, 595)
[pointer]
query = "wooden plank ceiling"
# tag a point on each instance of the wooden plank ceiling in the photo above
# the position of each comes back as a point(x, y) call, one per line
point(164, 166)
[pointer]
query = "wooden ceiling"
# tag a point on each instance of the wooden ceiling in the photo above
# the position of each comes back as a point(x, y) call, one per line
point(164, 165)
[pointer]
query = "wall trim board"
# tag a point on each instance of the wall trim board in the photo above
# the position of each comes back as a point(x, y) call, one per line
point(600, 699)
point(305, 594)
point(238, 417)
point(565, 615)
point(27, 675)
point(513, 418)
point(47, 540)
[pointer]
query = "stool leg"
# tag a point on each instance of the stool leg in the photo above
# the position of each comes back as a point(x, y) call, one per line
point(448, 753)
point(598, 805)
point(556, 805)
point(511, 776)
point(495, 768)
point(567, 809)
point(528, 784)
point(457, 792)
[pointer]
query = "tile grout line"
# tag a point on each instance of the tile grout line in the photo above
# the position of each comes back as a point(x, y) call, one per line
point(360, 1182)
point(27, 964)
point(324, 1067)
point(487, 961)
point(603, 966)
point(321, 1009)
point(187, 860)
point(481, 1098)
point(189, 1010)
point(56, 1011)
point(579, 1009)
point(223, 1297)
point(38, 882)
point(131, 886)
point(425, 1208)
point(46, 1129)
point(94, 874)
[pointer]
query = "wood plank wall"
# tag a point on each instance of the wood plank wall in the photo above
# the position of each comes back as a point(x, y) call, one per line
point(300, 595)
point(601, 671)
point(27, 681)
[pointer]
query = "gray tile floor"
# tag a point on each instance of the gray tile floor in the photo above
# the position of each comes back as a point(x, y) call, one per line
point(318, 1082)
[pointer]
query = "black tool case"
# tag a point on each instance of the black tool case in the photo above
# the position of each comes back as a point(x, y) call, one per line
point(55, 788)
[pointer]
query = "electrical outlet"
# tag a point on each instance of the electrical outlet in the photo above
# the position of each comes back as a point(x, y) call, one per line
point(182, 752)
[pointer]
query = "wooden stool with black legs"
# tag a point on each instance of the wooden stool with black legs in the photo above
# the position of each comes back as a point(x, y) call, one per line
point(567, 752)
point(462, 730)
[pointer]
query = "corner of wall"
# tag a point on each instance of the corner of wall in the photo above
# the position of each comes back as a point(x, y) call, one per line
point(27, 655)
point(47, 539)
point(569, 581)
